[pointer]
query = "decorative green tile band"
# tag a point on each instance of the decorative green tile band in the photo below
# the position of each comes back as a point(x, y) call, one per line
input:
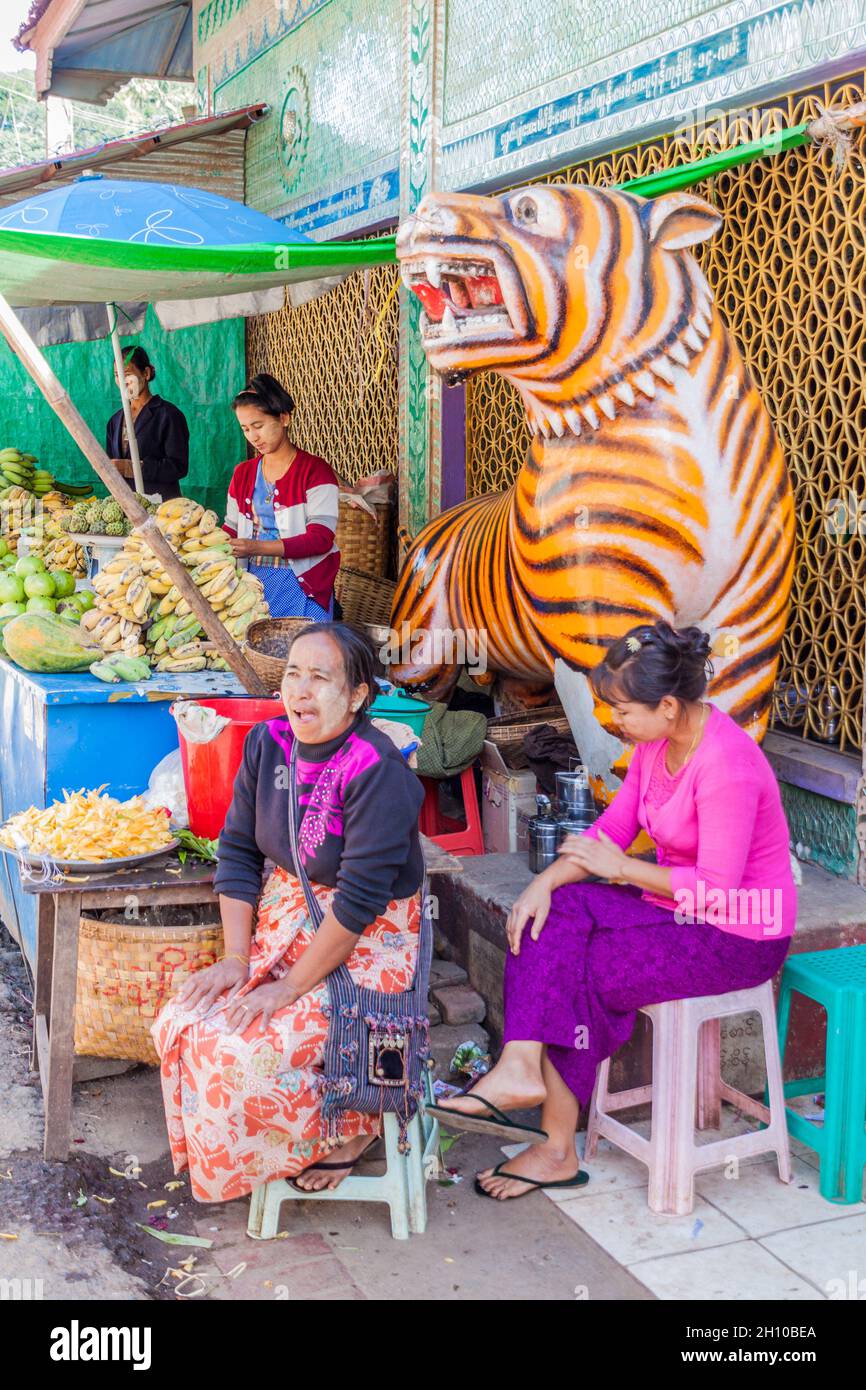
point(822, 831)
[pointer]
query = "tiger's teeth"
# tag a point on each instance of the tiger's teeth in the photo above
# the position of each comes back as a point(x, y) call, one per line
point(702, 325)
point(558, 425)
point(644, 383)
point(624, 393)
point(449, 323)
point(692, 339)
point(606, 404)
point(573, 420)
point(544, 426)
point(662, 368)
point(679, 354)
point(433, 272)
point(589, 416)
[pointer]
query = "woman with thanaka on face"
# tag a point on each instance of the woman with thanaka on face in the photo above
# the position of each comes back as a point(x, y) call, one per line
point(282, 507)
point(242, 1046)
point(160, 430)
point(715, 913)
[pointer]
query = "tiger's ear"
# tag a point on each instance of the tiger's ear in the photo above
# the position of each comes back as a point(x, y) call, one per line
point(677, 220)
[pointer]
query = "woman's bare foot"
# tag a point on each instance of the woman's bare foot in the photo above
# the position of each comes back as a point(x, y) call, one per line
point(319, 1179)
point(515, 1083)
point(542, 1162)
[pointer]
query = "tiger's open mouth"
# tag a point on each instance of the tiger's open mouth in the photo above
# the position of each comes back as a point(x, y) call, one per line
point(462, 299)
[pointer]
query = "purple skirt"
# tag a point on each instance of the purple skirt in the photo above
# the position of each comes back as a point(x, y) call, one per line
point(602, 954)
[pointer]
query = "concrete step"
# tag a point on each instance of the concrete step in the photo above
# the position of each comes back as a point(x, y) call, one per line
point(459, 1004)
point(446, 972)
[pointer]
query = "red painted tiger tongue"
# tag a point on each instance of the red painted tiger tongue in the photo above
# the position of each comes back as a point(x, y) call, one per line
point(483, 290)
point(433, 299)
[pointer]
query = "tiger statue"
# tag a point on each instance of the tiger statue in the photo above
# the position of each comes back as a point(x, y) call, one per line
point(654, 486)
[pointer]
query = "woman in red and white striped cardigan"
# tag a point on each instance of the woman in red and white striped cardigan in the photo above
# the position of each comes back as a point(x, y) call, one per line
point(282, 507)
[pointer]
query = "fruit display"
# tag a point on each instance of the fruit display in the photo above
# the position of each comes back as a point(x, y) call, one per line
point(47, 643)
point(27, 586)
point(18, 469)
point(119, 667)
point(139, 611)
point(100, 516)
point(88, 827)
point(38, 521)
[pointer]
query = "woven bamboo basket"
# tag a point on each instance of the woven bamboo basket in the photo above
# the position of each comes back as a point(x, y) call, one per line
point(127, 972)
point(361, 541)
point(511, 728)
point(364, 597)
point(267, 647)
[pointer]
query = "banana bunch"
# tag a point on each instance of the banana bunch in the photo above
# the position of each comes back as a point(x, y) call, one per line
point(121, 668)
point(113, 634)
point(139, 609)
point(63, 554)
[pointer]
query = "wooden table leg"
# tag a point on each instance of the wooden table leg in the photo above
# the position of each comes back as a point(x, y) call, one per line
point(61, 1027)
point(44, 968)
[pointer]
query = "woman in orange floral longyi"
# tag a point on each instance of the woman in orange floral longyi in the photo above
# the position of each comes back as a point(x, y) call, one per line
point(242, 1045)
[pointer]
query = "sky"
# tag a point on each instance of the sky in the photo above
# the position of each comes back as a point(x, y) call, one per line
point(14, 12)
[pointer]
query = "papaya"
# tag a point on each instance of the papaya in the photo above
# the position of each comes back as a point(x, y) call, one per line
point(47, 644)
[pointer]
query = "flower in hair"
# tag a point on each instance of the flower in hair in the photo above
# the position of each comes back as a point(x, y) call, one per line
point(633, 644)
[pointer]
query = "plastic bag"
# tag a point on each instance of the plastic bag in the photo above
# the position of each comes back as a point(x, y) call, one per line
point(198, 723)
point(166, 788)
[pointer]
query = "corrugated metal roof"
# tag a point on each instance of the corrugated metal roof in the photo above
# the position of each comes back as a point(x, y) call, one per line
point(205, 153)
point(87, 49)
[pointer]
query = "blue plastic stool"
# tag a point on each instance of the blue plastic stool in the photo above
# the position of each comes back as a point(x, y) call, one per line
point(836, 979)
point(403, 1185)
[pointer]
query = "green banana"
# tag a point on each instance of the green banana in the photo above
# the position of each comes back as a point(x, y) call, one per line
point(104, 672)
point(131, 668)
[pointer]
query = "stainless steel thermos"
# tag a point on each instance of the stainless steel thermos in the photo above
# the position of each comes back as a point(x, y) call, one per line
point(574, 812)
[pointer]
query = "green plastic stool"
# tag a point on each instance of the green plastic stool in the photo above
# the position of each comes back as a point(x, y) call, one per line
point(836, 979)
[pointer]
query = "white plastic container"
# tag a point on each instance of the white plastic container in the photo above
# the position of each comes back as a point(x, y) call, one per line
point(100, 550)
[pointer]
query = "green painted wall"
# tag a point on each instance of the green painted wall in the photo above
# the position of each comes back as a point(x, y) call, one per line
point(198, 369)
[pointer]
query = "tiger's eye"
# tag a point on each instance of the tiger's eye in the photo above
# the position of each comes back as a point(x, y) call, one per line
point(526, 210)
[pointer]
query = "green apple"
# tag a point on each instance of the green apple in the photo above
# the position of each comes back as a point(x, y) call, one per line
point(11, 589)
point(64, 583)
point(8, 562)
point(85, 598)
point(39, 603)
point(29, 564)
point(39, 586)
point(4, 548)
point(71, 604)
point(11, 610)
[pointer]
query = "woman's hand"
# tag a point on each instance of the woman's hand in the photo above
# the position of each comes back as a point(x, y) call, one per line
point(533, 903)
point(124, 467)
point(207, 985)
point(243, 548)
point(600, 857)
point(266, 1000)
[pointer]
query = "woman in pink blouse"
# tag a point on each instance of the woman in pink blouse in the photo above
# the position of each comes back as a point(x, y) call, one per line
point(715, 912)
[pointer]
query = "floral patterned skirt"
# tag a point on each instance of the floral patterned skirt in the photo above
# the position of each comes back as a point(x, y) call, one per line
point(242, 1108)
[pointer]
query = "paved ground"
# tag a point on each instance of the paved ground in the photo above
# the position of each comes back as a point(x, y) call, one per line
point(82, 1247)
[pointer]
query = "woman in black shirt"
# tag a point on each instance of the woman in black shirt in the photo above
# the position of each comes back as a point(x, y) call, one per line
point(242, 1046)
point(160, 428)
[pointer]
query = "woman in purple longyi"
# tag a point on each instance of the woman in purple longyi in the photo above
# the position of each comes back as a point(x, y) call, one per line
point(715, 912)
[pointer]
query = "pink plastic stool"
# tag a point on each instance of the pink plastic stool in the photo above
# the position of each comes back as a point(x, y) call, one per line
point(449, 834)
point(687, 1089)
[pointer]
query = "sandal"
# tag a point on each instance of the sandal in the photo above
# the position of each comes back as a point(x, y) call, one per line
point(332, 1168)
point(580, 1179)
point(501, 1126)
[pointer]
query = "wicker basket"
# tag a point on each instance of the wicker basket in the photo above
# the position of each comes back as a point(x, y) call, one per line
point(267, 647)
point(511, 728)
point(362, 542)
point(127, 972)
point(364, 597)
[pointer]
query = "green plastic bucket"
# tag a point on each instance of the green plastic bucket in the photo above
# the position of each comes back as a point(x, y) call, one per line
point(403, 709)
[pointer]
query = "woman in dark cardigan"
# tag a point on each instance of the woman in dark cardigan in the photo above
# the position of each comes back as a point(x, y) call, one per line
point(242, 1045)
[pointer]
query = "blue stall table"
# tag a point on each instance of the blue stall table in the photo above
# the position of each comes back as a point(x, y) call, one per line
point(74, 731)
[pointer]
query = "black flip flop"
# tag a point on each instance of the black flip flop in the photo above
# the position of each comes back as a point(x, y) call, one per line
point(502, 1127)
point(580, 1179)
point(334, 1167)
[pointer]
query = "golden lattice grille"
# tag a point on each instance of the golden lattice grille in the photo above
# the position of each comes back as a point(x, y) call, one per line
point(788, 271)
point(338, 356)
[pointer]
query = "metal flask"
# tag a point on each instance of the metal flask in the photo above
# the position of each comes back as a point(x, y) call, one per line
point(573, 796)
point(542, 833)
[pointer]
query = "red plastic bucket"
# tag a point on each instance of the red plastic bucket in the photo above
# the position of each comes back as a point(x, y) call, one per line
point(209, 769)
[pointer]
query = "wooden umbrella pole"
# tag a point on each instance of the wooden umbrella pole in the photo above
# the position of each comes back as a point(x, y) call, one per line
point(134, 456)
point(145, 524)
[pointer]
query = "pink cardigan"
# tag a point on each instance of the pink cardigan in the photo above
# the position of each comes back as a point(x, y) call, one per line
point(723, 832)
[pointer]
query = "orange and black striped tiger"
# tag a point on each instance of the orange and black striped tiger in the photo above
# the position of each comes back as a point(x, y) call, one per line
point(654, 486)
